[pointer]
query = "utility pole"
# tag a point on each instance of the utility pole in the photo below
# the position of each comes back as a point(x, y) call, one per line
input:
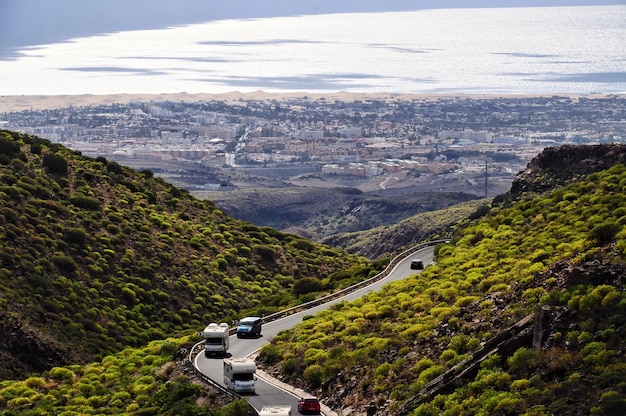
point(486, 177)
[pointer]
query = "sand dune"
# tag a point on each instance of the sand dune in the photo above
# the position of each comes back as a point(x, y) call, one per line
point(41, 102)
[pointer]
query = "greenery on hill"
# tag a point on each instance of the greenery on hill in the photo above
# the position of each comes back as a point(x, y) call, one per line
point(561, 252)
point(136, 381)
point(386, 241)
point(106, 274)
point(322, 213)
point(96, 258)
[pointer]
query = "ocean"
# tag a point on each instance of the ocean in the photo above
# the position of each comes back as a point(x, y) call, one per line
point(534, 50)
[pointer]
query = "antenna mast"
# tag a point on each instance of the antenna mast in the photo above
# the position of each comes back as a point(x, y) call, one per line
point(486, 178)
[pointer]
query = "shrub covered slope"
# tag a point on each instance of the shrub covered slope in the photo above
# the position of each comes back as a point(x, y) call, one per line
point(95, 258)
point(321, 214)
point(135, 381)
point(524, 312)
point(386, 241)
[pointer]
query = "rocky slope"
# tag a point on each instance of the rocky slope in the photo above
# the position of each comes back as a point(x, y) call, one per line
point(559, 165)
point(323, 213)
point(522, 314)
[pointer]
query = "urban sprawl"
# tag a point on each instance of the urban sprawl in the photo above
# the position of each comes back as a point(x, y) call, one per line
point(436, 143)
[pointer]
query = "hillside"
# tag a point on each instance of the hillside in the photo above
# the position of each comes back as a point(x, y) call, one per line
point(96, 258)
point(386, 241)
point(523, 313)
point(322, 213)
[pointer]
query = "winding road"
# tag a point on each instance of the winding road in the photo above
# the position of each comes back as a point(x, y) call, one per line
point(267, 393)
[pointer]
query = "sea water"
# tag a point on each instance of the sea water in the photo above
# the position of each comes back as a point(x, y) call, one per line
point(535, 50)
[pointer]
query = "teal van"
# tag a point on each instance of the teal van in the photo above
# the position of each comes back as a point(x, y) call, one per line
point(250, 327)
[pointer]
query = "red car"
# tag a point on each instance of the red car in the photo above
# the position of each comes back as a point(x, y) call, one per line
point(309, 404)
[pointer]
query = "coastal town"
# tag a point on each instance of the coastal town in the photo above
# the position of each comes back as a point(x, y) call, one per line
point(468, 144)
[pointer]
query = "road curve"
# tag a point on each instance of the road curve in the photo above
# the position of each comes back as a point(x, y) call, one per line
point(267, 393)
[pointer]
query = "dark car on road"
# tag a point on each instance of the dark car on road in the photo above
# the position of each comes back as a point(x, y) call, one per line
point(250, 327)
point(417, 264)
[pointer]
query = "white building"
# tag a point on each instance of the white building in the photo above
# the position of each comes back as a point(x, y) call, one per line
point(351, 132)
point(476, 136)
point(311, 134)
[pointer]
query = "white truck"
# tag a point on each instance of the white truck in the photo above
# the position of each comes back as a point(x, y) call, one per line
point(276, 410)
point(216, 339)
point(239, 374)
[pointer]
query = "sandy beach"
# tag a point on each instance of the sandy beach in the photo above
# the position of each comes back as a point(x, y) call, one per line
point(16, 103)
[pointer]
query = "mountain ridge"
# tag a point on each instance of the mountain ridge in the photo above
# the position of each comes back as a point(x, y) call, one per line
point(96, 257)
point(558, 246)
point(551, 249)
point(335, 215)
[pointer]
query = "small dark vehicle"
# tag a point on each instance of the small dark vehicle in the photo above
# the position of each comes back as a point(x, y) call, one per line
point(417, 264)
point(249, 326)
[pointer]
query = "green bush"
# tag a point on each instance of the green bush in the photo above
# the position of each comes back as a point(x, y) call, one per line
point(313, 375)
point(61, 374)
point(8, 147)
point(86, 202)
point(605, 233)
point(64, 263)
point(55, 163)
point(307, 285)
point(75, 236)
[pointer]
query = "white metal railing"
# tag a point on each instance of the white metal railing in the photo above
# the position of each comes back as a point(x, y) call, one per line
point(308, 305)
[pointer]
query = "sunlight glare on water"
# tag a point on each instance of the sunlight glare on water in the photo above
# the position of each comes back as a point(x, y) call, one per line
point(507, 51)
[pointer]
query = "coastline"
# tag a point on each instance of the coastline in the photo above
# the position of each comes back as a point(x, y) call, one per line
point(17, 103)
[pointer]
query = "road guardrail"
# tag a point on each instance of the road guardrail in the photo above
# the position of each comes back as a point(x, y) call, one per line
point(196, 349)
point(340, 293)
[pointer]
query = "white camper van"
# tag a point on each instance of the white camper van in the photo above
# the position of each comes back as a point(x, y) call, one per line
point(239, 374)
point(276, 410)
point(216, 339)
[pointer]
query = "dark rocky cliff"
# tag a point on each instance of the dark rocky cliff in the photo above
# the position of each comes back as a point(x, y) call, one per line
point(558, 165)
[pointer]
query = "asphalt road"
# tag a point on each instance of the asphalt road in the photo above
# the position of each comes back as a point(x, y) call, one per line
point(267, 393)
